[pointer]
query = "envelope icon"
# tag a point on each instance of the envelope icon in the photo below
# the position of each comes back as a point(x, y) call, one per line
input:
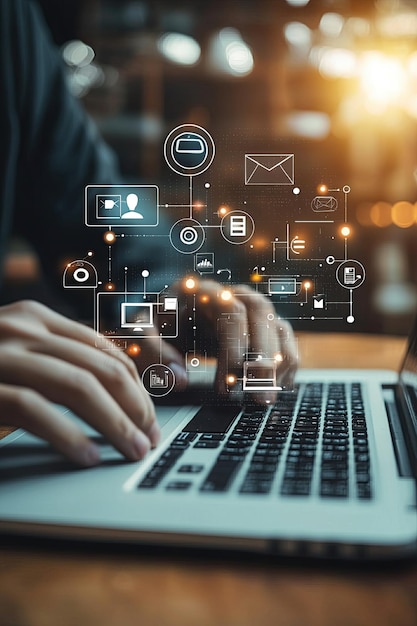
point(108, 206)
point(318, 302)
point(269, 169)
point(324, 203)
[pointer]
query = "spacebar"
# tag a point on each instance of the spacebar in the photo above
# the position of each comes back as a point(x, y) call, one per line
point(213, 419)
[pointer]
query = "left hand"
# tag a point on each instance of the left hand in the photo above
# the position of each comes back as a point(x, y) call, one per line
point(238, 323)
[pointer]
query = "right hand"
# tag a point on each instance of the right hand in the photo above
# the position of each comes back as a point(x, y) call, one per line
point(46, 358)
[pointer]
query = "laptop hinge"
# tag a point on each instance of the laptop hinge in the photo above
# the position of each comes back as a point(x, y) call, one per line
point(403, 435)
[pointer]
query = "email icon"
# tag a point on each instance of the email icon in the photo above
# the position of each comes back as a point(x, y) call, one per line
point(321, 204)
point(108, 206)
point(318, 302)
point(269, 169)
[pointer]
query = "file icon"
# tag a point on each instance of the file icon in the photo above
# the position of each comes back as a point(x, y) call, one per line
point(269, 169)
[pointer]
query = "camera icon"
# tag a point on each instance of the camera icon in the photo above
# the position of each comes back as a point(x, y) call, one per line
point(80, 274)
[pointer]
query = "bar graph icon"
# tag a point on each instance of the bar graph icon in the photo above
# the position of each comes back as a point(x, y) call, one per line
point(158, 380)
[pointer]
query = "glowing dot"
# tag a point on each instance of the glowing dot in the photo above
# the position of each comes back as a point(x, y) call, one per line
point(109, 237)
point(307, 284)
point(126, 268)
point(90, 253)
point(350, 319)
point(207, 185)
point(312, 317)
point(204, 299)
point(322, 188)
point(256, 278)
point(133, 349)
point(222, 210)
point(145, 273)
point(278, 357)
point(345, 231)
point(231, 379)
point(226, 295)
point(296, 191)
point(190, 283)
point(109, 287)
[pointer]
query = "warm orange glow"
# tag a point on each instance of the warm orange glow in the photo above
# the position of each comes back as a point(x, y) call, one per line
point(133, 349)
point(226, 295)
point(381, 214)
point(322, 188)
point(307, 285)
point(231, 379)
point(109, 286)
point(204, 299)
point(402, 214)
point(363, 214)
point(222, 211)
point(190, 283)
point(256, 278)
point(345, 231)
point(109, 237)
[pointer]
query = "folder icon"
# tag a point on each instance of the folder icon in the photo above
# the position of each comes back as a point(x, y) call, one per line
point(269, 169)
point(324, 203)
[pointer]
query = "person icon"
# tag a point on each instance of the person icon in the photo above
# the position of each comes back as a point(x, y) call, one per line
point(132, 201)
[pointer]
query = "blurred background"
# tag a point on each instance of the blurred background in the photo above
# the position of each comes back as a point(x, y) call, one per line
point(334, 79)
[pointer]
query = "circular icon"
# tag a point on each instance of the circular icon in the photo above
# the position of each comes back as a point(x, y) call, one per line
point(81, 275)
point(189, 150)
point(187, 236)
point(350, 274)
point(237, 227)
point(195, 362)
point(158, 380)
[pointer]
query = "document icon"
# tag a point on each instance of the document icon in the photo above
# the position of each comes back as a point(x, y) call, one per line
point(238, 226)
point(108, 206)
point(324, 203)
point(269, 169)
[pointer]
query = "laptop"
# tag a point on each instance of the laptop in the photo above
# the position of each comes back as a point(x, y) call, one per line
point(328, 471)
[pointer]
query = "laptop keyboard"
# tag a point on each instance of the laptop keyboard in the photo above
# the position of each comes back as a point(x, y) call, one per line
point(313, 441)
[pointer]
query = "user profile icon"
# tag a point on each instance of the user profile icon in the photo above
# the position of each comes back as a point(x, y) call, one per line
point(80, 274)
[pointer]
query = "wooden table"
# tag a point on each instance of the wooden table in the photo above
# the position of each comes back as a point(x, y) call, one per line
point(56, 584)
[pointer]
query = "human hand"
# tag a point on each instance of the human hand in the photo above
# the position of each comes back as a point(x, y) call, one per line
point(46, 358)
point(234, 323)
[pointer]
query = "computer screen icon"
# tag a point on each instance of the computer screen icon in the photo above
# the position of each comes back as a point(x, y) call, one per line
point(136, 315)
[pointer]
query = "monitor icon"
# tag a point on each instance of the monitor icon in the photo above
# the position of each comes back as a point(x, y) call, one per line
point(136, 315)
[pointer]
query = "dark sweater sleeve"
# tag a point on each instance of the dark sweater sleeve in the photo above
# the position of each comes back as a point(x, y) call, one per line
point(59, 150)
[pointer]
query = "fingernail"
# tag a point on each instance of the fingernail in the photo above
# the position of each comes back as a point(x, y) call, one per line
point(180, 374)
point(89, 455)
point(140, 445)
point(155, 434)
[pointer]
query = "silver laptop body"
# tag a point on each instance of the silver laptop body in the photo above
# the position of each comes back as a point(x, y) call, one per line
point(319, 474)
